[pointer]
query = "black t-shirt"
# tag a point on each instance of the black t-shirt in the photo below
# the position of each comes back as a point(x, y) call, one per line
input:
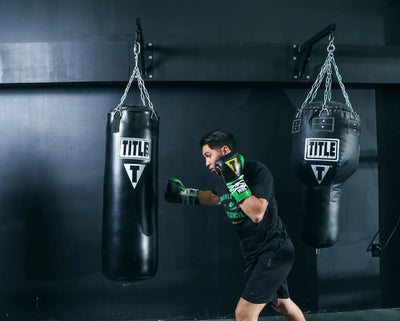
point(255, 238)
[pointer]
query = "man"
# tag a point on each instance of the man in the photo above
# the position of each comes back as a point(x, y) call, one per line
point(246, 191)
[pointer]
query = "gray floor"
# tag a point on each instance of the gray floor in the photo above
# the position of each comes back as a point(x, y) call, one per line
point(363, 315)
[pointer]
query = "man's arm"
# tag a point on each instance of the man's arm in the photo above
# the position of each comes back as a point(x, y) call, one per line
point(254, 208)
point(230, 167)
point(208, 198)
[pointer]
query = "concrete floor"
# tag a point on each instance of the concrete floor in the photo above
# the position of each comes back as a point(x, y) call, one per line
point(363, 315)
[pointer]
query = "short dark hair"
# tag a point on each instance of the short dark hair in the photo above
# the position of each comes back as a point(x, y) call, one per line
point(217, 139)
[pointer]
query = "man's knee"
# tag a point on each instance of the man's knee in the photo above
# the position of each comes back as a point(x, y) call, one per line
point(241, 313)
point(284, 306)
point(246, 311)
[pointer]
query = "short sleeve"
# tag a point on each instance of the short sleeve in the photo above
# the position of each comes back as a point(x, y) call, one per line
point(259, 179)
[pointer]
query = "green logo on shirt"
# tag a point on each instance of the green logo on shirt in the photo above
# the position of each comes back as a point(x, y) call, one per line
point(231, 208)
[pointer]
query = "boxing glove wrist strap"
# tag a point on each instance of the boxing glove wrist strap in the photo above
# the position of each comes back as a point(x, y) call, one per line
point(239, 189)
point(189, 196)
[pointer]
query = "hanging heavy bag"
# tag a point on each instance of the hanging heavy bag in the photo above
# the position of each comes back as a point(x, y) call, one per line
point(325, 153)
point(130, 238)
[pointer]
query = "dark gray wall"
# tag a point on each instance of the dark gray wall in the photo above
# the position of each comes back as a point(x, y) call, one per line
point(91, 41)
point(388, 109)
point(52, 203)
point(64, 65)
point(361, 22)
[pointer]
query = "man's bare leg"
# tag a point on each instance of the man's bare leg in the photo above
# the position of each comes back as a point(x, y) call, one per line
point(247, 311)
point(289, 309)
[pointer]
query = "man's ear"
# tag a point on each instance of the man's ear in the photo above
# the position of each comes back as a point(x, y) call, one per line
point(225, 150)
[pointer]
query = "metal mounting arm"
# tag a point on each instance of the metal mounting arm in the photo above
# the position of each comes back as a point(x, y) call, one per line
point(146, 52)
point(301, 53)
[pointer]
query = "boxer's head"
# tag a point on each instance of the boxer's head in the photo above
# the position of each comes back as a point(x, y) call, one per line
point(216, 144)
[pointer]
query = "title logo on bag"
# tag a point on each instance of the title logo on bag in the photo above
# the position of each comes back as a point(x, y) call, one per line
point(134, 172)
point(320, 172)
point(323, 149)
point(135, 148)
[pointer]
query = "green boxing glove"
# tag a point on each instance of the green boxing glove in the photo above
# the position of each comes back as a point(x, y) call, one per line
point(230, 167)
point(176, 192)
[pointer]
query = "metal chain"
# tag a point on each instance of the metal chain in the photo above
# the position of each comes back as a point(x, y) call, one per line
point(314, 88)
point(142, 88)
point(339, 77)
point(328, 87)
point(326, 69)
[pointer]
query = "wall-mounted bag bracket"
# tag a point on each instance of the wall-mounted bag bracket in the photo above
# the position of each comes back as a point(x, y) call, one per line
point(146, 52)
point(301, 53)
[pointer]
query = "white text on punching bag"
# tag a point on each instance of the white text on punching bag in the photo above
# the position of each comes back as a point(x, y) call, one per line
point(322, 149)
point(135, 148)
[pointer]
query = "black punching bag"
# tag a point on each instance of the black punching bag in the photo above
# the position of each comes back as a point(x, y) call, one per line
point(130, 242)
point(325, 153)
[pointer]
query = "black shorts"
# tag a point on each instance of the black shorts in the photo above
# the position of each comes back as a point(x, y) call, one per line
point(267, 277)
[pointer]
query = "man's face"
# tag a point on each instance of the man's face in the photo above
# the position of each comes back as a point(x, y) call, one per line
point(212, 155)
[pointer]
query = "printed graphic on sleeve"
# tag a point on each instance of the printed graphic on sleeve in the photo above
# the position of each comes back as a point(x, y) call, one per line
point(134, 172)
point(320, 172)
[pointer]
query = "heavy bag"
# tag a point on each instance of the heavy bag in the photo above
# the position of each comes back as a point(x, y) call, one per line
point(325, 153)
point(130, 239)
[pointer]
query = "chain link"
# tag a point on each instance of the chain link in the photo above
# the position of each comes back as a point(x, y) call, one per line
point(326, 69)
point(339, 77)
point(144, 95)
